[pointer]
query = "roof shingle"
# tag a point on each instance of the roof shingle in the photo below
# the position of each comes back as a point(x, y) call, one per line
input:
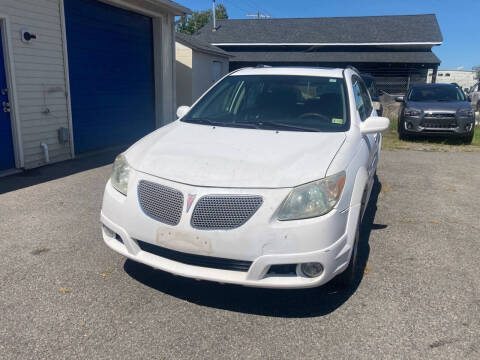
point(199, 45)
point(354, 30)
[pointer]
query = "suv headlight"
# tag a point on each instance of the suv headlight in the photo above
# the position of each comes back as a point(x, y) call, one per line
point(465, 112)
point(120, 174)
point(412, 112)
point(313, 199)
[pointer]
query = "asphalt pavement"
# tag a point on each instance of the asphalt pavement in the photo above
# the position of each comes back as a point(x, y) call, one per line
point(65, 295)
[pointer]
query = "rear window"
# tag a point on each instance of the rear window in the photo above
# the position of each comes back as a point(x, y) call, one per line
point(436, 93)
point(297, 103)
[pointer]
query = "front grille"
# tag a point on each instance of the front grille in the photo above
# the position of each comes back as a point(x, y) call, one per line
point(440, 116)
point(160, 202)
point(196, 260)
point(439, 121)
point(214, 212)
point(439, 125)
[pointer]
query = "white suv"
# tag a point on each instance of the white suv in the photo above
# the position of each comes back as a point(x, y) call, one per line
point(262, 182)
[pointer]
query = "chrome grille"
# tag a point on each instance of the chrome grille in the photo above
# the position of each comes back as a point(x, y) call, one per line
point(440, 116)
point(224, 211)
point(160, 202)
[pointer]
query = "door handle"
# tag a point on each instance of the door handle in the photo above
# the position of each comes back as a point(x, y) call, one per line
point(6, 106)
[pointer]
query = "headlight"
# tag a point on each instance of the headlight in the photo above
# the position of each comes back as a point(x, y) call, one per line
point(120, 174)
point(411, 112)
point(313, 199)
point(465, 112)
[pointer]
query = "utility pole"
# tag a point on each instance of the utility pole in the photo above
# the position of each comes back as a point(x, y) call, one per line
point(214, 16)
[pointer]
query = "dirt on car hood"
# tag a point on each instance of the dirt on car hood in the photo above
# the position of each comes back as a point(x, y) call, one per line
point(204, 155)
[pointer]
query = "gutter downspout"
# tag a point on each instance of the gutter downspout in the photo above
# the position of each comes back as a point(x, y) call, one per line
point(45, 152)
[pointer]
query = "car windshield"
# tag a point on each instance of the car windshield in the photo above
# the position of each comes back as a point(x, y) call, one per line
point(281, 102)
point(436, 93)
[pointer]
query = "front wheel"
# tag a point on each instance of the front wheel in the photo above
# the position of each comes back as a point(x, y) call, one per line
point(346, 279)
point(401, 132)
point(467, 139)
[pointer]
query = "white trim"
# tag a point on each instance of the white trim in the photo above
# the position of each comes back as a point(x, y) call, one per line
point(12, 91)
point(125, 4)
point(67, 77)
point(329, 44)
point(157, 68)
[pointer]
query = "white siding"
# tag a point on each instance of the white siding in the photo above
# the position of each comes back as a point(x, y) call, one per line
point(40, 80)
point(183, 74)
point(202, 77)
point(40, 77)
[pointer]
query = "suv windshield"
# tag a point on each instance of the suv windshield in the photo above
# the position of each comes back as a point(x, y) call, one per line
point(436, 93)
point(281, 102)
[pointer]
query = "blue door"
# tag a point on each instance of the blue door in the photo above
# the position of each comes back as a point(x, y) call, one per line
point(7, 159)
point(110, 58)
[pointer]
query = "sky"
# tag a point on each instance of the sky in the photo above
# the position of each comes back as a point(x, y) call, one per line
point(459, 19)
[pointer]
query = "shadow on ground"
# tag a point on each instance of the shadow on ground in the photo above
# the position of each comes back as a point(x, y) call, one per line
point(267, 302)
point(58, 170)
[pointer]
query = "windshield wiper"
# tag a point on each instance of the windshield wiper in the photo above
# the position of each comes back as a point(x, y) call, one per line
point(202, 121)
point(275, 124)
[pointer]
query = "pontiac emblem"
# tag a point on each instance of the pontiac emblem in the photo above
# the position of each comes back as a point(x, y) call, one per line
point(190, 200)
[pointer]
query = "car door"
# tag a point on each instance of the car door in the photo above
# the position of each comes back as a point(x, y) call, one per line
point(365, 109)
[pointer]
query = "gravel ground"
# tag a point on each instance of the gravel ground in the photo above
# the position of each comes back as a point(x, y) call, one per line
point(64, 294)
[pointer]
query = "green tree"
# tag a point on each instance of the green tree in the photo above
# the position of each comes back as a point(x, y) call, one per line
point(190, 24)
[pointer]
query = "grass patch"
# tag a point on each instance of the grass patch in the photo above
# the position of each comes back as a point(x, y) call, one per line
point(431, 143)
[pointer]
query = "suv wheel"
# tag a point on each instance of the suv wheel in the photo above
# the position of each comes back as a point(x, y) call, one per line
point(478, 106)
point(467, 139)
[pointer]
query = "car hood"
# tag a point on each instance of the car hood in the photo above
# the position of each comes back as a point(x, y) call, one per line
point(438, 105)
point(234, 157)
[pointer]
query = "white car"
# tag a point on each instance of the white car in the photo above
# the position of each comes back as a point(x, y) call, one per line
point(262, 182)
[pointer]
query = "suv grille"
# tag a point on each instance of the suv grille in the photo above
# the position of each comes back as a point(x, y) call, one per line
point(439, 121)
point(224, 211)
point(440, 116)
point(160, 202)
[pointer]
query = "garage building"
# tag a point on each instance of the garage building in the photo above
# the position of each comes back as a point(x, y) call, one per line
point(396, 49)
point(83, 75)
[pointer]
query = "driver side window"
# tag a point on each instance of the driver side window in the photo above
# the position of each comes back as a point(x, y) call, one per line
point(362, 99)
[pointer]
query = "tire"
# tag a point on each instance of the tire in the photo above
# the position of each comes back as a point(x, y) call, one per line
point(478, 106)
point(401, 133)
point(347, 279)
point(467, 139)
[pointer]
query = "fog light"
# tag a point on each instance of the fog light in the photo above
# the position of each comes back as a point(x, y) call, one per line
point(311, 269)
point(409, 125)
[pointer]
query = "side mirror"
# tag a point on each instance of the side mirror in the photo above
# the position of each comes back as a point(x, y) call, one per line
point(374, 124)
point(182, 111)
point(400, 99)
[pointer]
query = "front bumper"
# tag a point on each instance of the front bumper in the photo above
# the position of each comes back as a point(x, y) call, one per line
point(263, 240)
point(422, 124)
